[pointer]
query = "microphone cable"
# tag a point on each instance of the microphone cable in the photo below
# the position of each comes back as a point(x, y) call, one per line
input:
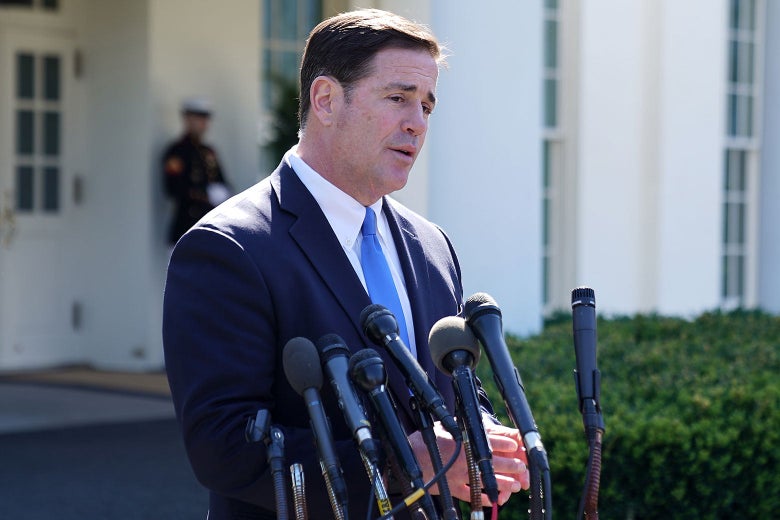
point(420, 492)
point(429, 437)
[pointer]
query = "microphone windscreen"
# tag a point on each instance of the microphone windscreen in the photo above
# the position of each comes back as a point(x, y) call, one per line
point(368, 311)
point(449, 334)
point(330, 346)
point(476, 300)
point(302, 365)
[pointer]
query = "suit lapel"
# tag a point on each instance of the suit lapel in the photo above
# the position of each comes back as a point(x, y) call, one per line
point(313, 234)
point(415, 270)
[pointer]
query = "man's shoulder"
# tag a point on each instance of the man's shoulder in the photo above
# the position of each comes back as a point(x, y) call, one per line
point(410, 217)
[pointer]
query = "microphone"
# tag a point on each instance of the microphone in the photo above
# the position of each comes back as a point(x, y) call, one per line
point(455, 351)
point(367, 370)
point(381, 327)
point(484, 318)
point(334, 355)
point(302, 367)
point(587, 377)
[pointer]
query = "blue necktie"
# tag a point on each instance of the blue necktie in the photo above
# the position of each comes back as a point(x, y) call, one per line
point(379, 280)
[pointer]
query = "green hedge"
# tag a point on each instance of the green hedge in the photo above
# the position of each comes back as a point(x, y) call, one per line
point(691, 408)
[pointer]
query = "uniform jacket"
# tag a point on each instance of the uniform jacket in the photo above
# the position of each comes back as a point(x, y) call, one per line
point(259, 270)
point(188, 168)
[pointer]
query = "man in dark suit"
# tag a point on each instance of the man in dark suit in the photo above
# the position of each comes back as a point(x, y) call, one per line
point(282, 260)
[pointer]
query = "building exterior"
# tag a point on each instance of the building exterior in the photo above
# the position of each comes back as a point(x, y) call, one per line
point(621, 145)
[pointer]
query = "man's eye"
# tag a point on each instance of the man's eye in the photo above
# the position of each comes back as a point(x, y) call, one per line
point(397, 99)
point(427, 110)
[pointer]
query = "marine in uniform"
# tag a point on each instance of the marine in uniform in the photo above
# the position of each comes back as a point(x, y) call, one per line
point(192, 175)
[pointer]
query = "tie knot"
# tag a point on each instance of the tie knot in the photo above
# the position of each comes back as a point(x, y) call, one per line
point(369, 223)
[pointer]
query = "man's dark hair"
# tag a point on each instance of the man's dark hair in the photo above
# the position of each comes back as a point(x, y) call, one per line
point(344, 46)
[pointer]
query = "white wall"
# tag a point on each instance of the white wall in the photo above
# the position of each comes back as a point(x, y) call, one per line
point(651, 138)
point(611, 149)
point(692, 130)
point(141, 59)
point(116, 186)
point(203, 48)
point(769, 237)
point(484, 145)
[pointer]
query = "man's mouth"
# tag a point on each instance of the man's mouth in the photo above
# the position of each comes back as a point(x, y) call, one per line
point(406, 150)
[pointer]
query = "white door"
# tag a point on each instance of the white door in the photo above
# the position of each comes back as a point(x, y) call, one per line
point(40, 129)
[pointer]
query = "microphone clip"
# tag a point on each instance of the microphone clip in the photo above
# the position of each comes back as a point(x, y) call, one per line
point(257, 427)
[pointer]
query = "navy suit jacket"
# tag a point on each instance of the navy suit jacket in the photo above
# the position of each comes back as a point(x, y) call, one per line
point(257, 271)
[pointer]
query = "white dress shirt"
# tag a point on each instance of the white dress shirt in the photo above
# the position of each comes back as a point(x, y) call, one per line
point(345, 216)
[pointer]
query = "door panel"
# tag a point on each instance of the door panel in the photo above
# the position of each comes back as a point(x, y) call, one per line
point(37, 232)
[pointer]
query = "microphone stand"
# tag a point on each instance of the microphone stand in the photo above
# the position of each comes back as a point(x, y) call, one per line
point(594, 430)
point(425, 423)
point(475, 484)
point(379, 490)
point(299, 491)
point(275, 446)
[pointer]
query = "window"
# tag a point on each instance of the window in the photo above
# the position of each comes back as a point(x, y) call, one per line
point(49, 5)
point(740, 173)
point(38, 133)
point(551, 145)
point(286, 25)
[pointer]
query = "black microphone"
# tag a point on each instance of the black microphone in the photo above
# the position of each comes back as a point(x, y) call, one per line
point(367, 370)
point(484, 318)
point(587, 377)
point(381, 327)
point(334, 355)
point(455, 351)
point(302, 367)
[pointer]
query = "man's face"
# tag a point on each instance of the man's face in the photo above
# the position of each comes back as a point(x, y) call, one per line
point(196, 124)
point(380, 131)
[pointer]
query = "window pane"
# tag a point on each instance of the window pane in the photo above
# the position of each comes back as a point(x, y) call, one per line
point(51, 189)
point(550, 103)
point(51, 78)
point(266, 18)
point(747, 15)
point(50, 4)
point(739, 223)
point(51, 133)
point(287, 20)
point(550, 44)
point(24, 188)
point(311, 14)
point(731, 116)
point(727, 223)
point(288, 65)
point(25, 76)
point(27, 3)
point(733, 61)
point(734, 14)
point(25, 132)
point(546, 164)
point(551, 4)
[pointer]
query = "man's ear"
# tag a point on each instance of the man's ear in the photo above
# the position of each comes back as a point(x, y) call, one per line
point(326, 96)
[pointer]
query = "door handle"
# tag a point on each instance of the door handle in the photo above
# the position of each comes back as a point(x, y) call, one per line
point(7, 220)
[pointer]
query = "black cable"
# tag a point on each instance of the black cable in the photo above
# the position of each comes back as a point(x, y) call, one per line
point(419, 493)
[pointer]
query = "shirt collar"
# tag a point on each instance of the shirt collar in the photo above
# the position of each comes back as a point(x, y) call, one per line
point(344, 213)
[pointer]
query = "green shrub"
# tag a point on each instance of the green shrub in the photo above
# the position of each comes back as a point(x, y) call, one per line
point(691, 408)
